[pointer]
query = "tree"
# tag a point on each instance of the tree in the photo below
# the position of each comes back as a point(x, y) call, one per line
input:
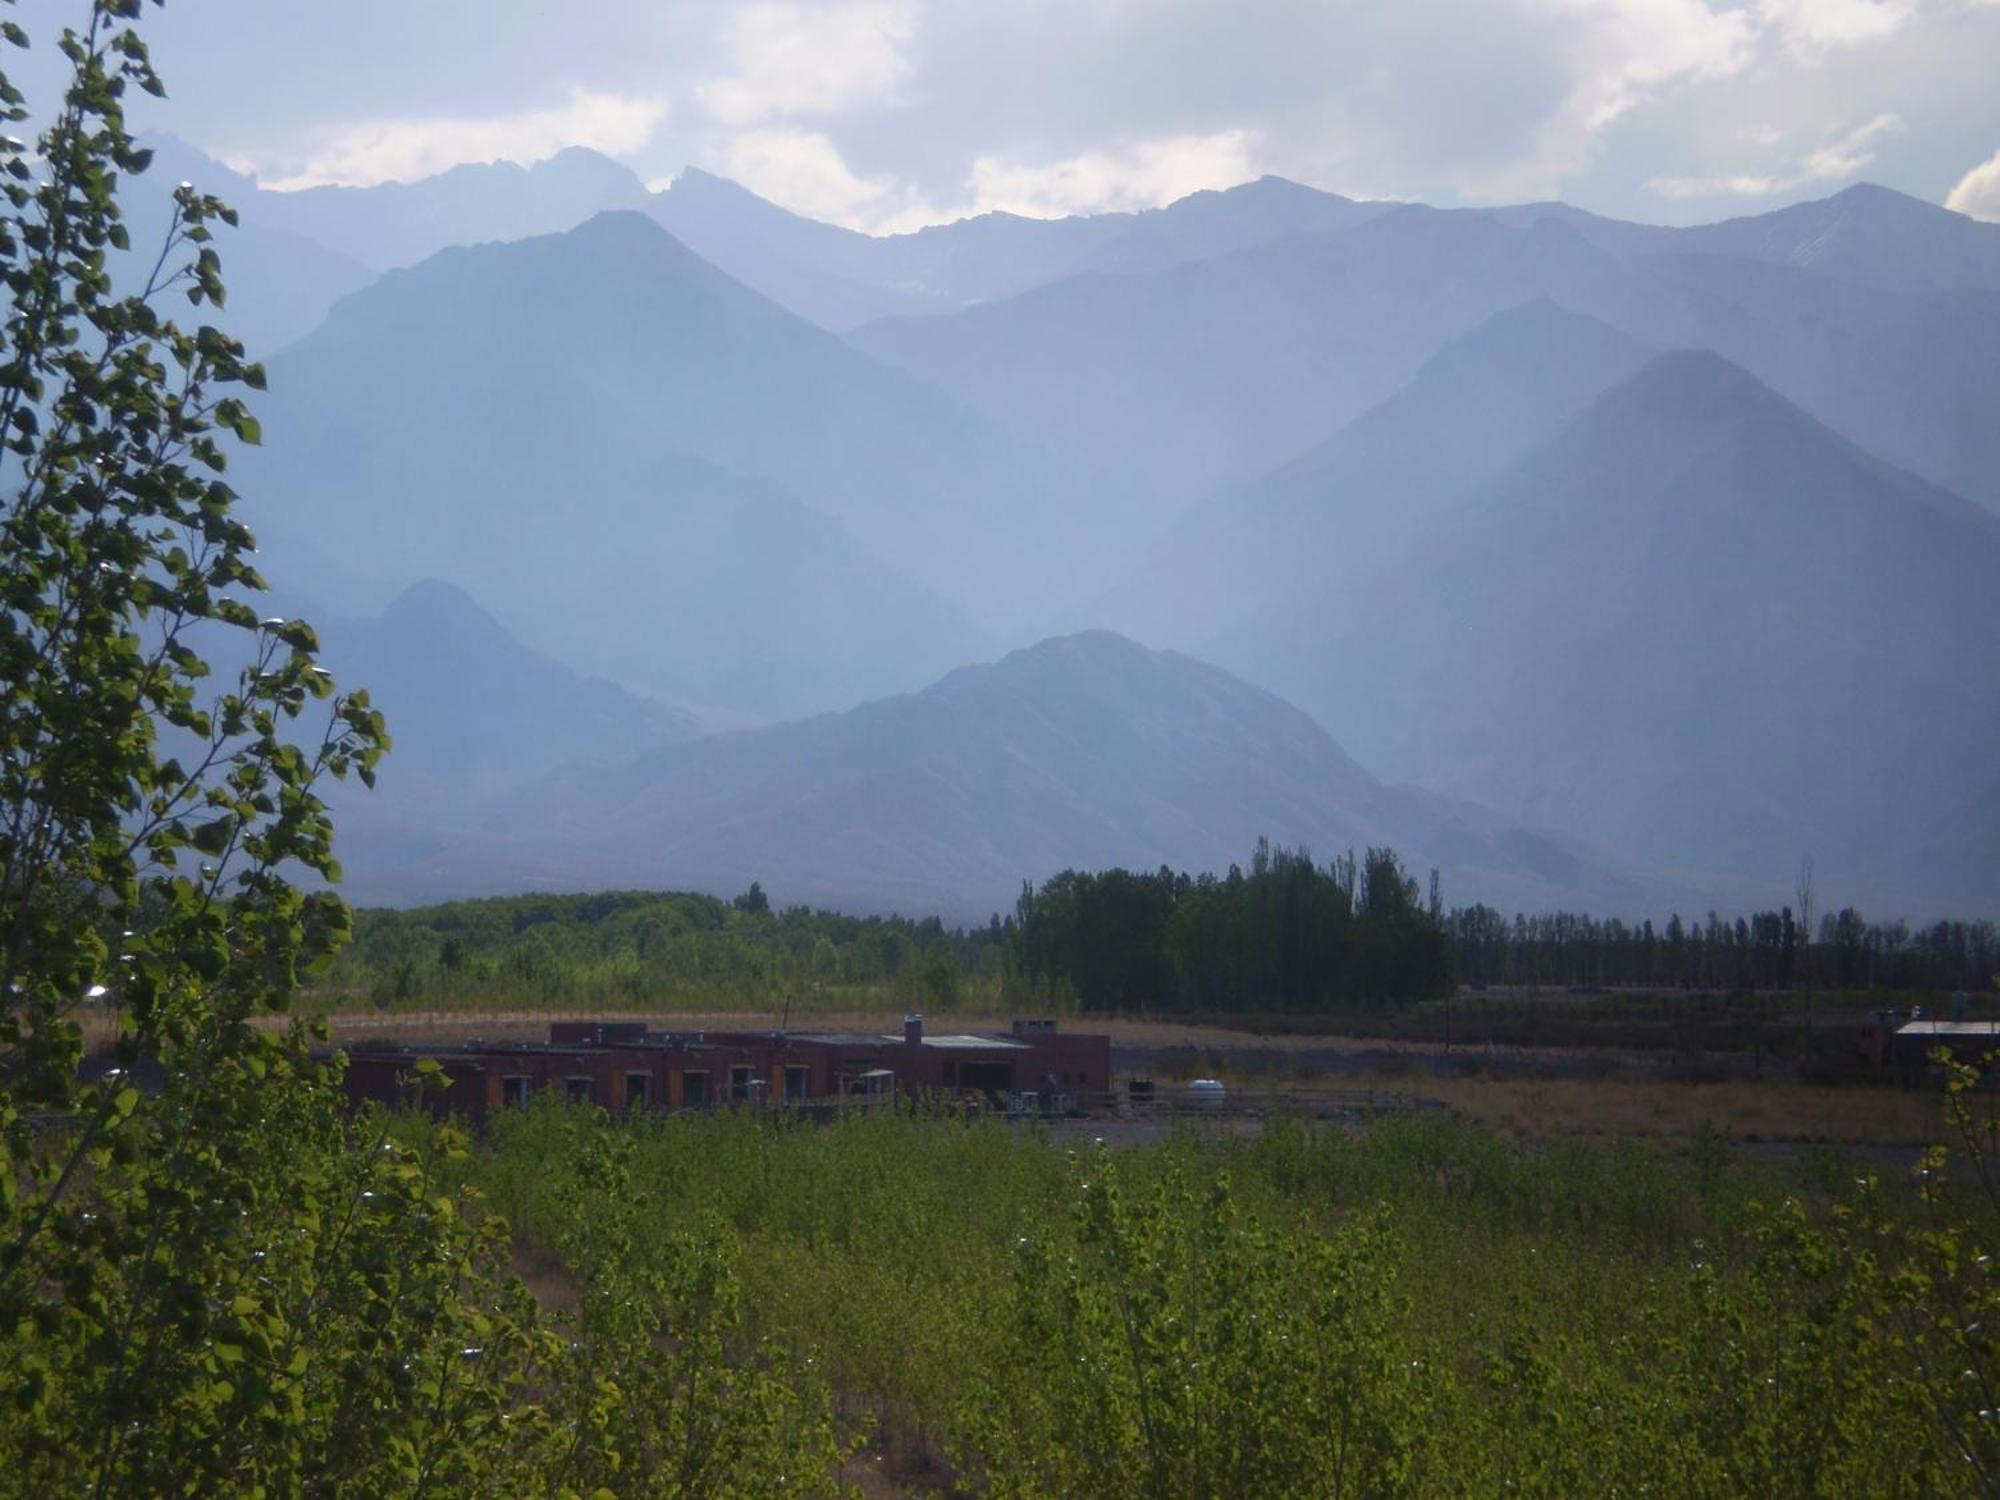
point(149, 831)
point(213, 1278)
point(212, 1281)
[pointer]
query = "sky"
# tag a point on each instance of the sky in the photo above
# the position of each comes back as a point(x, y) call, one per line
point(889, 114)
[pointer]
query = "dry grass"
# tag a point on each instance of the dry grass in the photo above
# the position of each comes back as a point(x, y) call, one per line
point(1535, 1109)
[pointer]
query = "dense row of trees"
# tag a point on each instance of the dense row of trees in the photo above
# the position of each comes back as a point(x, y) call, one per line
point(1768, 950)
point(1287, 935)
point(1283, 936)
point(624, 948)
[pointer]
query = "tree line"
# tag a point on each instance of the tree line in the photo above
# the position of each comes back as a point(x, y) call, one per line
point(1285, 935)
point(1766, 950)
point(631, 947)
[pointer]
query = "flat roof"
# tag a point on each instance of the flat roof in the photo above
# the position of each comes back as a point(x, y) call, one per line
point(842, 1038)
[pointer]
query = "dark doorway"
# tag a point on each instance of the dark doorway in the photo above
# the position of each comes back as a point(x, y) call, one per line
point(988, 1077)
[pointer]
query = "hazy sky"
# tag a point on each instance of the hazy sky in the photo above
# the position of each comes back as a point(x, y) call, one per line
point(892, 113)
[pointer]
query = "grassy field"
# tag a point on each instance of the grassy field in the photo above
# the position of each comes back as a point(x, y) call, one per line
point(1418, 1307)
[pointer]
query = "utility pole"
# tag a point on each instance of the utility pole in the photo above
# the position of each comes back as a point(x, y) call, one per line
point(1805, 895)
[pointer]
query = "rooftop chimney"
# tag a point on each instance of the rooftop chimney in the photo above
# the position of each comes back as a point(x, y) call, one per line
point(913, 1030)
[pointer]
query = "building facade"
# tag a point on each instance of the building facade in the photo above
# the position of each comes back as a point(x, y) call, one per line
point(622, 1066)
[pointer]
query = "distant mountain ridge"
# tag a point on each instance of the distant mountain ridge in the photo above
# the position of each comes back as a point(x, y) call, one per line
point(613, 343)
point(1084, 751)
point(467, 700)
point(1652, 535)
point(562, 425)
point(1297, 337)
point(1865, 234)
point(1693, 622)
point(1343, 508)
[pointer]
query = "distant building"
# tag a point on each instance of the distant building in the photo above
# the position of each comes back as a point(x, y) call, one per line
point(623, 1066)
point(1892, 1040)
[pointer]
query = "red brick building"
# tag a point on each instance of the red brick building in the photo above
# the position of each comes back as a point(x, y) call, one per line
point(623, 1065)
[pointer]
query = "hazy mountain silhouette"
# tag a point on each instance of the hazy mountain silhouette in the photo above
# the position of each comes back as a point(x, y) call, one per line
point(1871, 236)
point(1402, 465)
point(832, 276)
point(520, 418)
point(1218, 369)
point(841, 279)
point(824, 273)
point(1696, 623)
point(1213, 371)
point(281, 284)
point(400, 223)
point(467, 700)
point(1352, 505)
point(1083, 751)
point(1221, 221)
point(593, 358)
point(1912, 377)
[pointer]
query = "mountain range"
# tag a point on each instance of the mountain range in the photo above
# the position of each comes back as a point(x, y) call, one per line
point(1085, 750)
point(1672, 543)
point(1677, 613)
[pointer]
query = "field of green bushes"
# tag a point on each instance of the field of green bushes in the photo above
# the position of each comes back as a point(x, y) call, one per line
point(1417, 1308)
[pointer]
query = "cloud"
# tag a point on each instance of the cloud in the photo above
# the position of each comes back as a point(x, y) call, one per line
point(1978, 191)
point(1145, 174)
point(1832, 162)
point(366, 152)
point(1812, 28)
point(882, 108)
point(807, 173)
point(804, 171)
point(794, 59)
point(1617, 55)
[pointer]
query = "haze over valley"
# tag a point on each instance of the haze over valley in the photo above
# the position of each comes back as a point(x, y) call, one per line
point(687, 540)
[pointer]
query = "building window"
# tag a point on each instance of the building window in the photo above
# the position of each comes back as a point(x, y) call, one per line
point(638, 1090)
point(739, 1082)
point(514, 1090)
point(798, 1084)
point(580, 1090)
point(694, 1089)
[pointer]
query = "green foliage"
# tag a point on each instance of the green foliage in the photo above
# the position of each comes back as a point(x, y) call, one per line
point(1416, 1308)
point(649, 1394)
point(1764, 950)
point(634, 949)
point(1288, 937)
point(1173, 1348)
point(213, 1280)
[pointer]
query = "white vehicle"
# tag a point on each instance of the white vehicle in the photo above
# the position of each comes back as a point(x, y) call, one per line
point(1207, 1094)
